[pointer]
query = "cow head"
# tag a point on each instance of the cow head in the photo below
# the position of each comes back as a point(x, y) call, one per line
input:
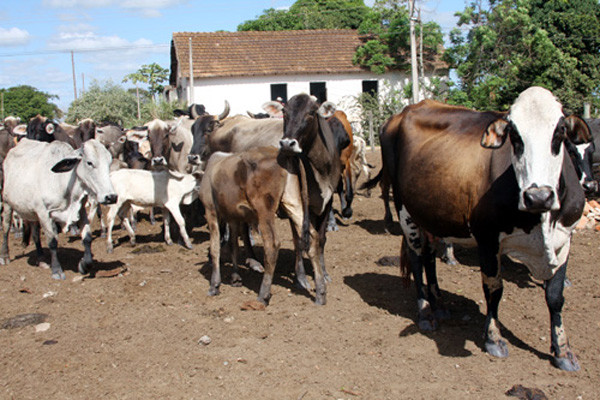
point(194, 111)
point(537, 129)
point(204, 126)
point(301, 122)
point(42, 129)
point(158, 135)
point(581, 156)
point(87, 129)
point(91, 163)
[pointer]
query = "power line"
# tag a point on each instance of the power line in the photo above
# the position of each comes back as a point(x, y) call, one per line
point(84, 50)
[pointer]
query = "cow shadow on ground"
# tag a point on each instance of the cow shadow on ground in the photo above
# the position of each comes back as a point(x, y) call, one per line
point(284, 275)
point(69, 260)
point(466, 323)
point(377, 227)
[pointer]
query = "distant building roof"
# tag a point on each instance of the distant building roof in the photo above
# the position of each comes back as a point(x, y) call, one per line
point(260, 53)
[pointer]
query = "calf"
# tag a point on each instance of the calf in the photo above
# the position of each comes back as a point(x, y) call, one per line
point(47, 183)
point(250, 188)
point(163, 188)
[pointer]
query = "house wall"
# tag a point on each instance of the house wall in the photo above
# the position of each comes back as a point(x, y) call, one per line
point(249, 93)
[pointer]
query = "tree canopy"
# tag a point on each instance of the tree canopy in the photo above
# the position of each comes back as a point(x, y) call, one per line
point(514, 44)
point(26, 102)
point(310, 14)
point(151, 74)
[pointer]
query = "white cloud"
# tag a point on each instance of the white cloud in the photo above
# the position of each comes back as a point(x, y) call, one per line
point(145, 8)
point(14, 37)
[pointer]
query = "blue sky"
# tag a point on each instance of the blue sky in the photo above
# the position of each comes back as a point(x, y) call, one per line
point(112, 38)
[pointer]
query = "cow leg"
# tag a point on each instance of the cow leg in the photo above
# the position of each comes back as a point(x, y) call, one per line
point(564, 358)
point(166, 223)
point(434, 293)
point(51, 235)
point(176, 213)
point(348, 193)
point(215, 252)
point(322, 241)
point(388, 219)
point(448, 253)
point(110, 219)
point(301, 280)
point(86, 238)
point(251, 259)
point(7, 214)
point(419, 254)
point(332, 225)
point(234, 229)
point(271, 245)
point(314, 254)
point(35, 235)
point(492, 289)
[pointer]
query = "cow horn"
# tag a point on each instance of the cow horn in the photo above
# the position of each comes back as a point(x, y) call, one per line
point(177, 125)
point(251, 114)
point(225, 112)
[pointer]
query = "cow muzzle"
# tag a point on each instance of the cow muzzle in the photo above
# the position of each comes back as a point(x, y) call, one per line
point(194, 159)
point(538, 199)
point(158, 161)
point(290, 146)
point(590, 186)
point(109, 199)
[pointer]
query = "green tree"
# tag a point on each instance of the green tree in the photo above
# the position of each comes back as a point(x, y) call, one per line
point(514, 44)
point(388, 26)
point(310, 14)
point(26, 102)
point(105, 102)
point(151, 74)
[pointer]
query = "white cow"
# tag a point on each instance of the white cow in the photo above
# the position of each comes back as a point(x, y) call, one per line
point(48, 182)
point(160, 188)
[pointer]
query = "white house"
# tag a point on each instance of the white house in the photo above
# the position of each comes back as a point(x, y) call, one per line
point(250, 68)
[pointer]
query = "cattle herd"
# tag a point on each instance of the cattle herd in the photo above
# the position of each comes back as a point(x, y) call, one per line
point(509, 183)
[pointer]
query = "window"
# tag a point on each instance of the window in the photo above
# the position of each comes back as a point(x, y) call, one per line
point(279, 90)
point(319, 90)
point(370, 87)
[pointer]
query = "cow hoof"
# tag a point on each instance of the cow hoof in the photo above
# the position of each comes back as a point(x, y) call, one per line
point(497, 349)
point(255, 265)
point(109, 249)
point(449, 261)
point(302, 283)
point(332, 228)
point(568, 363)
point(169, 242)
point(214, 292)
point(82, 268)
point(568, 282)
point(59, 276)
point(427, 325)
point(327, 278)
point(189, 246)
point(442, 314)
point(132, 242)
point(320, 299)
point(347, 212)
point(236, 280)
point(4, 260)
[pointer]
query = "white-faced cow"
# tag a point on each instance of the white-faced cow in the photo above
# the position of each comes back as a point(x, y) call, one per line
point(508, 187)
point(47, 183)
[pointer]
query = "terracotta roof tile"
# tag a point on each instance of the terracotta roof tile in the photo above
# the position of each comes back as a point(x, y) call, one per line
point(231, 54)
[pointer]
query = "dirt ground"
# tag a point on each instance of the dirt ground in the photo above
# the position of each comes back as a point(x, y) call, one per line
point(136, 335)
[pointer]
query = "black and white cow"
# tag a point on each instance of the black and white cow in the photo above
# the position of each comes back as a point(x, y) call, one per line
point(509, 189)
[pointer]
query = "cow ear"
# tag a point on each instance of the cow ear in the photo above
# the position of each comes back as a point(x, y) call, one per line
point(50, 129)
point(327, 109)
point(495, 134)
point(66, 164)
point(578, 130)
point(122, 139)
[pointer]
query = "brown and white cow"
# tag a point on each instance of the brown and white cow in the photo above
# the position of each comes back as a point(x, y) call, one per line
point(250, 188)
point(84, 130)
point(508, 187)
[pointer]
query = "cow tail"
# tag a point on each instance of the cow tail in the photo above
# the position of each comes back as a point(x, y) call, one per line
point(370, 184)
point(404, 263)
point(305, 235)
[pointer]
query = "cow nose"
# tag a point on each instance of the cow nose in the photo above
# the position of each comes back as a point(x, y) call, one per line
point(194, 159)
point(159, 161)
point(290, 145)
point(590, 186)
point(110, 199)
point(538, 199)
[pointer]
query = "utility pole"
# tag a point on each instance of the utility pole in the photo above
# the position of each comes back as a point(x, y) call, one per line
point(413, 52)
point(191, 92)
point(74, 79)
point(82, 83)
point(2, 105)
